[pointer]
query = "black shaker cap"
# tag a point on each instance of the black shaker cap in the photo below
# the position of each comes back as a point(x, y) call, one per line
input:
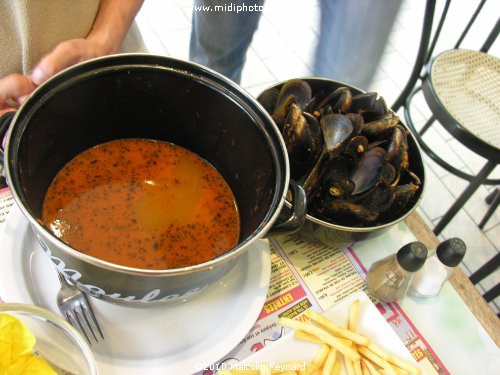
point(451, 252)
point(412, 256)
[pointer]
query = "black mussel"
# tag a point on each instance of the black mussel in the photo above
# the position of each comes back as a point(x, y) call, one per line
point(362, 103)
point(337, 130)
point(342, 211)
point(298, 89)
point(356, 121)
point(369, 170)
point(379, 198)
point(268, 99)
point(389, 176)
point(403, 195)
point(281, 111)
point(380, 127)
point(356, 147)
point(312, 106)
point(397, 151)
point(377, 111)
point(303, 140)
point(325, 110)
point(336, 180)
point(340, 100)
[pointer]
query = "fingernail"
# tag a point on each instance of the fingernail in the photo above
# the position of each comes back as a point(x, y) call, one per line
point(37, 76)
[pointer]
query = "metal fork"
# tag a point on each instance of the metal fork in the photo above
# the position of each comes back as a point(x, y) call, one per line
point(75, 307)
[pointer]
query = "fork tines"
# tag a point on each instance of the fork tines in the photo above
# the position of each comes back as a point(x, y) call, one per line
point(82, 318)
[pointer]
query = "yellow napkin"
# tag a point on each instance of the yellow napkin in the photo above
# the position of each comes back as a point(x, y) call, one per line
point(16, 349)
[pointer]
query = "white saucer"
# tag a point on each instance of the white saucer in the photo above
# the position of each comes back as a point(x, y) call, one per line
point(178, 339)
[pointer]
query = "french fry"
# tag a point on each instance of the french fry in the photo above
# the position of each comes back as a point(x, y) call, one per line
point(264, 369)
point(322, 334)
point(320, 358)
point(356, 365)
point(364, 368)
point(307, 337)
point(361, 356)
point(224, 372)
point(335, 328)
point(393, 359)
point(370, 366)
point(353, 316)
point(309, 370)
point(367, 353)
point(388, 369)
point(337, 368)
point(329, 362)
point(348, 366)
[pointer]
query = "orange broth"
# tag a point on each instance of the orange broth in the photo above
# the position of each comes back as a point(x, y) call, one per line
point(144, 204)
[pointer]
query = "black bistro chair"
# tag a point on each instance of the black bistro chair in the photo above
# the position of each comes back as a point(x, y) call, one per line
point(462, 89)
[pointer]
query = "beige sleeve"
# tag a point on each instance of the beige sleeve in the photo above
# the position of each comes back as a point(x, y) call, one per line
point(29, 29)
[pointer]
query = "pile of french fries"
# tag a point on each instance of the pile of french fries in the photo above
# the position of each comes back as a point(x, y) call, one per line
point(340, 347)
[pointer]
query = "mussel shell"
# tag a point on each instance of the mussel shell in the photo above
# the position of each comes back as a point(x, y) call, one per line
point(362, 103)
point(337, 130)
point(298, 89)
point(380, 127)
point(281, 111)
point(338, 210)
point(389, 176)
point(335, 180)
point(398, 149)
point(357, 122)
point(303, 140)
point(268, 99)
point(403, 194)
point(340, 100)
point(356, 147)
point(379, 198)
point(369, 170)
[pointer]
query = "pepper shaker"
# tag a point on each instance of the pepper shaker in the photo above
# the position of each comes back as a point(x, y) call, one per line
point(389, 278)
point(429, 280)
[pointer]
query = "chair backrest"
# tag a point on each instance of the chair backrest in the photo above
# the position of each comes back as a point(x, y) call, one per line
point(483, 272)
point(427, 46)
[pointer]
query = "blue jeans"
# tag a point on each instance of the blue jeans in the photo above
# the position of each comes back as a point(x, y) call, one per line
point(353, 34)
point(220, 39)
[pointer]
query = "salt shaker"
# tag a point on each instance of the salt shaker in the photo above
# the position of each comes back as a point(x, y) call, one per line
point(429, 280)
point(388, 279)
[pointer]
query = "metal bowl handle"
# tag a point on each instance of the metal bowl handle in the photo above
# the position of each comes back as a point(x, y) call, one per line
point(5, 121)
point(295, 216)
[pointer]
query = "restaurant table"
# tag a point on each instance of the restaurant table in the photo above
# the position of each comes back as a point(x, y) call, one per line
point(461, 283)
point(459, 326)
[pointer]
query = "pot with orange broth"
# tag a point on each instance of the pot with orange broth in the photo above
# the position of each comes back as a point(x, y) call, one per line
point(144, 204)
point(158, 98)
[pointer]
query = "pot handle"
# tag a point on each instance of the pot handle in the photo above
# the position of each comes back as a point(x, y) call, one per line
point(5, 120)
point(295, 216)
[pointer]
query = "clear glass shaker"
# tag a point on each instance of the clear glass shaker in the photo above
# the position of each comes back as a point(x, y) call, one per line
point(388, 279)
point(429, 280)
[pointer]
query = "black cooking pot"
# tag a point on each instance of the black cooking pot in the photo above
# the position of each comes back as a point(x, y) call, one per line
point(146, 96)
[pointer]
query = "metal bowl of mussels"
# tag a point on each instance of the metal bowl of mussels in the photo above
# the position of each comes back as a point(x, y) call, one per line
point(359, 164)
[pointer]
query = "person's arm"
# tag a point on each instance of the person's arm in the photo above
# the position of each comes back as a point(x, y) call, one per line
point(109, 29)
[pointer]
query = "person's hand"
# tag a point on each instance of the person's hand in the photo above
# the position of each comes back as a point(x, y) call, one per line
point(14, 88)
point(64, 55)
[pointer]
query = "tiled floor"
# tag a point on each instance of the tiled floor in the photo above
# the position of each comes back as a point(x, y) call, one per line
point(281, 50)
